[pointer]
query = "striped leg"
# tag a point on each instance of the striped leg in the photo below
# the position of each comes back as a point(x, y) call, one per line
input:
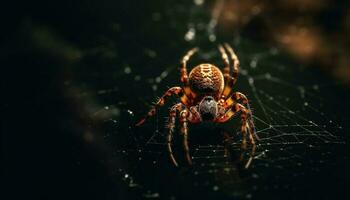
point(245, 124)
point(242, 99)
point(171, 126)
point(234, 60)
point(184, 132)
point(183, 70)
point(225, 59)
point(230, 80)
point(246, 128)
point(161, 102)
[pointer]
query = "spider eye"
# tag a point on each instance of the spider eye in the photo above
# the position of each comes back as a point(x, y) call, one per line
point(208, 98)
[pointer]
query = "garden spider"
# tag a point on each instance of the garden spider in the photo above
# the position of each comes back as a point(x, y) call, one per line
point(206, 95)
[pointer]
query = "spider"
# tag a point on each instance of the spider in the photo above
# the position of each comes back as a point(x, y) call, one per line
point(206, 95)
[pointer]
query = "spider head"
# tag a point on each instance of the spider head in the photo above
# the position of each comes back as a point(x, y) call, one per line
point(208, 108)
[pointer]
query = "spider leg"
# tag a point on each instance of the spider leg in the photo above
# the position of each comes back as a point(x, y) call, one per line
point(185, 117)
point(239, 96)
point(235, 61)
point(162, 100)
point(183, 70)
point(184, 132)
point(246, 129)
point(252, 153)
point(171, 126)
point(231, 80)
point(245, 118)
point(234, 98)
point(225, 59)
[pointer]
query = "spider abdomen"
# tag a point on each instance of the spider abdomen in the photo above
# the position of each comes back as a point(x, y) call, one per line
point(206, 79)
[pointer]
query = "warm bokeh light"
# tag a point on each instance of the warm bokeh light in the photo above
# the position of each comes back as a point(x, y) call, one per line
point(315, 32)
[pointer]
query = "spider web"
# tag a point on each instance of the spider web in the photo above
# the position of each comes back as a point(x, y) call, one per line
point(292, 108)
point(296, 128)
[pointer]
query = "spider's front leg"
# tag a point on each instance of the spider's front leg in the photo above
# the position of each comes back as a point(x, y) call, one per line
point(184, 132)
point(237, 97)
point(246, 128)
point(171, 127)
point(162, 100)
point(184, 116)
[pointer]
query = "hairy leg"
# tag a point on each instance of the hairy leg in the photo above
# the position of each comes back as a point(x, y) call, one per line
point(245, 117)
point(246, 129)
point(183, 70)
point(171, 127)
point(238, 97)
point(225, 59)
point(235, 61)
point(184, 119)
point(161, 102)
point(230, 80)
point(184, 132)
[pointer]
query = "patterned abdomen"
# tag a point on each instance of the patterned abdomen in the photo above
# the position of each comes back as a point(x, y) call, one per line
point(206, 79)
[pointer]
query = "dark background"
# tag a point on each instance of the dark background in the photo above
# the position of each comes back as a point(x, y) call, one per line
point(64, 62)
